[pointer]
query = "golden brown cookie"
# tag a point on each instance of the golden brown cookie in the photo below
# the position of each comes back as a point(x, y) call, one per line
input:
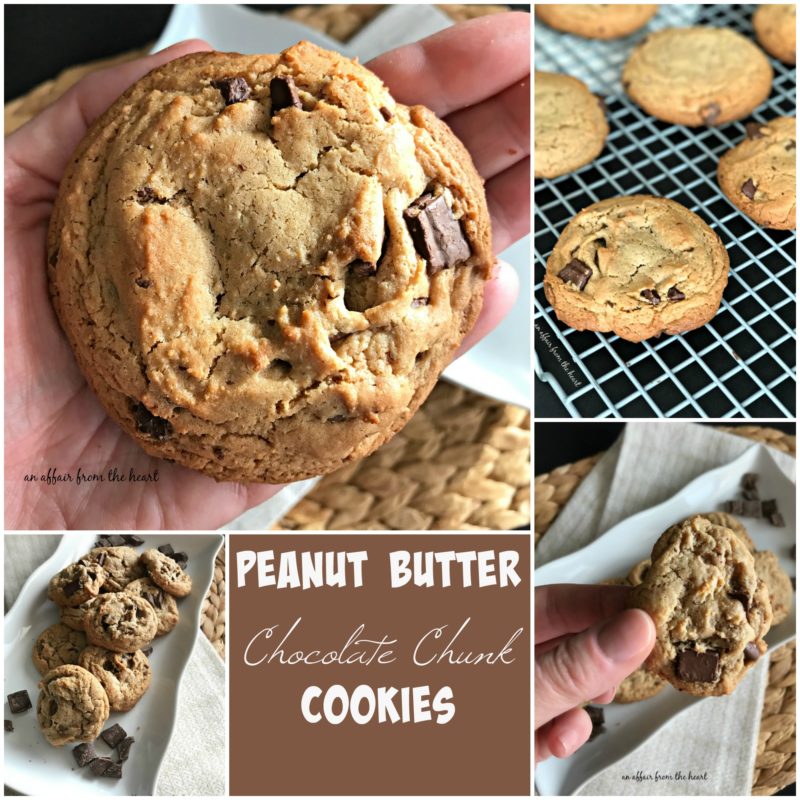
point(56, 646)
point(263, 262)
point(121, 622)
point(124, 676)
point(76, 584)
point(776, 30)
point(166, 573)
point(162, 602)
point(598, 21)
point(72, 705)
point(121, 565)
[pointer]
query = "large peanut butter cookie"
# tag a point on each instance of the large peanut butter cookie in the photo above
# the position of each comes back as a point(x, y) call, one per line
point(263, 263)
point(121, 622)
point(72, 705)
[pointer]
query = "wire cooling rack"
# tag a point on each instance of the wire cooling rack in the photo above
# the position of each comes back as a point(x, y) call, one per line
point(742, 363)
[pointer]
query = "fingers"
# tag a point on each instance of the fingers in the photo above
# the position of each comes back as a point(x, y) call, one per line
point(569, 608)
point(447, 71)
point(588, 664)
point(44, 145)
point(509, 198)
point(499, 294)
point(497, 132)
point(563, 736)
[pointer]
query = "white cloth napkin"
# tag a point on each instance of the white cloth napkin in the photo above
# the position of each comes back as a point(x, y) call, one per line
point(648, 464)
point(194, 764)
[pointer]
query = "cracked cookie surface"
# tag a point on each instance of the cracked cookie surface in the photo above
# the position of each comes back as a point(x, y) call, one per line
point(56, 646)
point(72, 705)
point(124, 676)
point(776, 30)
point(697, 76)
point(598, 21)
point(263, 263)
point(637, 266)
point(121, 565)
point(121, 622)
point(759, 175)
point(710, 609)
point(570, 125)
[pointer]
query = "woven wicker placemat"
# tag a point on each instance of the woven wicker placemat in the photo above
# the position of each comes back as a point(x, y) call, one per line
point(775, 766)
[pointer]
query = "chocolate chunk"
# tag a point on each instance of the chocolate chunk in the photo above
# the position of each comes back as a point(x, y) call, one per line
point(651, 295)
point(114, 735)
point(790, 145)
point(124, 748)
point(754, 130)
point(181, 559)
point(132, 539)
point(750, 494)
point(749, 480)
point(733, 506)
point(166, 549)
point(710, 113)
point(598, 718)
point(362, 269)
point(100, 765)
point(149, 424)
point(143, 283)
point(576, 273)
point(751, 652)
point(436, 233)
point(417, 302)
point(53, 707)
point(751, 508)
point(749, 189)
point(769, 507)
point(101, 559)
point(233, 90)
point(698, 667)
point(84, 754)
point(283, 93)
point(9, 725)
point(115, 540)
point(386, 114)
point(675, 295)
point(113, 771)
point(71, 587)
point(777, 520)
point(148, 651)
point(102, 542)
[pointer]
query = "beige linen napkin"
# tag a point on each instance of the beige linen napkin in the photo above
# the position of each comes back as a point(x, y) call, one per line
point(194, 764)
point(647, 465)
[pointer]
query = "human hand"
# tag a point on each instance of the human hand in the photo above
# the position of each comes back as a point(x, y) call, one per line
point(52, 417)
point(586, 643)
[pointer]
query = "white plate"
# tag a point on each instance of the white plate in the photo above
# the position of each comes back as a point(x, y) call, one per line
point(498, 367)
point(34, 767)
point(613, 554)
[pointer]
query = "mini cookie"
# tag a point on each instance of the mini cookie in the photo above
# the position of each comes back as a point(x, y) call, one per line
point(120, 563)
point(776, 31)
point(570, 125)
point(639, 266)
point(279, 263)
point(638, 572)
point(167, 573)
point(697, 76)
point(74, 617)
point(710, 609)
point(600, 21)
point(638, 686)
point(124, 676)
point(779, 584)
point(72, 705)
point(76, 584)
point(163, 603)
point(56, 646)
point(759, 175)
point(121, 622)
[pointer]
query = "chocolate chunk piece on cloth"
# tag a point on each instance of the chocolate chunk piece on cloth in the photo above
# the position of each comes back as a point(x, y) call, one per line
point(700, 667)
point(436, 233)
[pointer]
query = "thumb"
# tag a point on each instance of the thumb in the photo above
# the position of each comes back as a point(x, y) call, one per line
point(586, 665)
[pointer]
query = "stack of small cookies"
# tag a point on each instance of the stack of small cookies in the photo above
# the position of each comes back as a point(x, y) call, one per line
point(112, 602)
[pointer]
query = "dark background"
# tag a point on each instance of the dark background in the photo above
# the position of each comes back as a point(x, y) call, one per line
point(559, 443)
point(41, 40)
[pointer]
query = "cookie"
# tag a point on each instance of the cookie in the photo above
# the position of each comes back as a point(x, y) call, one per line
point(599, 21)
point(775, 27)
point(121, 565)
point(163, 604)
point(76, 584)
point(778, 583)
point(74, 617)
point(263, 262)
point(121, 622)
point(56, 646)
point(166, 573)
point(732, 523)
point(639, 685)
point(759, 174)
point(710, 609)
point(638, 572)
point(72, 705)
point(697, 76)
point(124, 676)
point(637, 266)
point(570, 125)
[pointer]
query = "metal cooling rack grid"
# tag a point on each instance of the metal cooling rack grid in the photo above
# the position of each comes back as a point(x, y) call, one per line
point(740, 364)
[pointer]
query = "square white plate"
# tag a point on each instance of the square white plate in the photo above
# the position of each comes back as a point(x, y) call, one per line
point(615, 552)
point(32, 766)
